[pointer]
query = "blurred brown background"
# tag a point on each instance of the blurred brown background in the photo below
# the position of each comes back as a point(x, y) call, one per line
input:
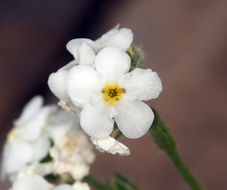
point(185, 42)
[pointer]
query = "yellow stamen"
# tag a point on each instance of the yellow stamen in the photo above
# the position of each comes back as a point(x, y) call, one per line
point(112, 93)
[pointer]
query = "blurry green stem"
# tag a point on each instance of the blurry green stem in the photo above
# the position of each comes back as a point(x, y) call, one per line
point(120, 182)
point(163, 138)
point(94, 183)
point(117, 182)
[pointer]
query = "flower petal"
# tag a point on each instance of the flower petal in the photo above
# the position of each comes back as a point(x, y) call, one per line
point(112, 63)
point(83, 85)
point(120, 38)
point(134, 118)
point(142, 84)
point(86, 55)
point(40, 148)
point(40, 169)
point(57, 81)
point(60, 124)
point(15, 155)
point(96, 121)
point(73, 46)
point(32, 129)
point(28, 182)
point(69, 66)
point(79, 171)
point(57, 84)
point(63, 187)
point(81, 186)
point(111, 145)
point(31, 109)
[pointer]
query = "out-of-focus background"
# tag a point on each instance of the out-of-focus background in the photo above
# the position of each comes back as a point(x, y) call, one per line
point(185, 42)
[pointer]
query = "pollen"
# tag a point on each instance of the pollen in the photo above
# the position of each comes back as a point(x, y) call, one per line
point(112, 93)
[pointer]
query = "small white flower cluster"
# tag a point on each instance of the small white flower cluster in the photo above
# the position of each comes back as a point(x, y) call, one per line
point(46, 141)
point(102, 89)
point(36, 182)
point(102, 85)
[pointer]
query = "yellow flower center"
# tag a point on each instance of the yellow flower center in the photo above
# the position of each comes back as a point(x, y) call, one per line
point(70, 144)
point(112, 93)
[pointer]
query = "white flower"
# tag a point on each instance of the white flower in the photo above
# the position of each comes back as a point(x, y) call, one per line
point(59, 124)
point(30, 182)
point(84, 51)
point(26, 181)
point(111, 145)
point(81, 186)
point(73, 154)
point(110, 92)
point(63, 187)
point(41, 169)
point(30, 139)
point(26, 142)
point(75, 186)
point(56, 82)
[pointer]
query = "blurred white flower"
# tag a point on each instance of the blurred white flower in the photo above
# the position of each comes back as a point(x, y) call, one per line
point(71, 152)
point(30, 182)
point(110, 92)
point(76, 186)
point(84, 51)
point(73, 155)
point(63, 187)
point(111, 145)
point(26, 142)
point(26, 181)
point(81, 186)
point(30, 139)
point(59, 124)
point(41, 169)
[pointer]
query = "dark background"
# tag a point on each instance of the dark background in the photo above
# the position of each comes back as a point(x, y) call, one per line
point(185, 42)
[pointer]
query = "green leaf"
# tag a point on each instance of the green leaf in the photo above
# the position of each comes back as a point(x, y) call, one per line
point(51, 143)
point(46, 159)
point(57, 179)
point(52, 178)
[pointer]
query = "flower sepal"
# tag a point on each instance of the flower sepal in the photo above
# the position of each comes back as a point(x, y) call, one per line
point(137, 57)
point(116, 133)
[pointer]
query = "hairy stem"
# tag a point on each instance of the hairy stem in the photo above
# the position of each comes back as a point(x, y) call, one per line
point(163, 138)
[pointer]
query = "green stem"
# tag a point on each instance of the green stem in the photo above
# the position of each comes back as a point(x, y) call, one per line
point(163, 138)
point(117, 182)
point(94, 183)
point(120, 182)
